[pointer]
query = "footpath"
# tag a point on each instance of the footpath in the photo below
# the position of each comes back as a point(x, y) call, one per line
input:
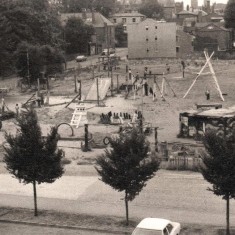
point(78, 202)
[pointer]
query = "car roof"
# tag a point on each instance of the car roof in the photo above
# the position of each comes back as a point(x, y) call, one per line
point(153, 223)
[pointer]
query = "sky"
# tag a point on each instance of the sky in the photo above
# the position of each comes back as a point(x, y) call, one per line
point(200, 2)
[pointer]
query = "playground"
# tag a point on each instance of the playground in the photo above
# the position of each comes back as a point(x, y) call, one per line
point(88, 96)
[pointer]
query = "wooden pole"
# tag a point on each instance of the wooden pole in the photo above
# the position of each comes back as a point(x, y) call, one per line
point(86, 137)
point(38, 84)
point(97, 89)
point(75, 84)
point(118, 84)
point(213, 75)
point(111, 81)
point(156, 139)
point(207, 61)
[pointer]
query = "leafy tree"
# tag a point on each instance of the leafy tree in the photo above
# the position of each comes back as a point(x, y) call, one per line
point(30, 157)
point(32, 60)
point(152, 9)
point(28, 21)
point(77, 35)
point(219, 167)
point(120, 35)
point(127, 166)
point(229, 14)
point(105, 7)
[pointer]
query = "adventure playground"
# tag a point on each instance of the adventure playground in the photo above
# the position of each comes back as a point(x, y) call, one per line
point(172, 102)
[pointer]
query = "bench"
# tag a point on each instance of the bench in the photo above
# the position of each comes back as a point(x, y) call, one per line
point(206, 106)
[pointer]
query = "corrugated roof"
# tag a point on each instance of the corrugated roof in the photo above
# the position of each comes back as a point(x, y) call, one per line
point(213, 113)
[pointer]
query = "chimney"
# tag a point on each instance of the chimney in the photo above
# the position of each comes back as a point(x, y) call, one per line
point(199, 17)
point(84, 13)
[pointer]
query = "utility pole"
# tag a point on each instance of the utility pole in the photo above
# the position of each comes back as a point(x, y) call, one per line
point(98, 96)
point(107, 40)
point(27, 54)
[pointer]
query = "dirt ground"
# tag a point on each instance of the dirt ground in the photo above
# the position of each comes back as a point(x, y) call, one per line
point(162, 114)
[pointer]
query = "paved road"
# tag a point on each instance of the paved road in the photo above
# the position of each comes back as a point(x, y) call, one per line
point(92, 60)
point(19, 229)
point(181, 197)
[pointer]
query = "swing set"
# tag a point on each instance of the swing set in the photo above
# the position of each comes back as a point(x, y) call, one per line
point(212, 72)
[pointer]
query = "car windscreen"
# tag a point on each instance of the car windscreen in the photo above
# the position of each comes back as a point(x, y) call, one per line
point(143, 231)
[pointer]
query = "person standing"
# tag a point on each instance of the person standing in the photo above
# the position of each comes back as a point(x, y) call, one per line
point(167, 68)
point(129, 74)
point(17, 110)
point(207, 93)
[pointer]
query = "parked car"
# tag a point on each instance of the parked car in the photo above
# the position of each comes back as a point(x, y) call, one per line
point(105, 51)
point(157, 226)
point(81, 58)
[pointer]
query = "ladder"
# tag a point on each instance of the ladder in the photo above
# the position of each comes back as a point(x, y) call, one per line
point(79, 114)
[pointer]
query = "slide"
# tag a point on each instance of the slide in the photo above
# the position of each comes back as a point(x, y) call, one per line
point(103, 84)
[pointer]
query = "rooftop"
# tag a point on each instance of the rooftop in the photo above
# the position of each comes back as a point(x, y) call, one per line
point(129, 14)
point(99, 19)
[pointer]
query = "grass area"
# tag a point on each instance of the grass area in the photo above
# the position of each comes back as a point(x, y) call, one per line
point(112, 224)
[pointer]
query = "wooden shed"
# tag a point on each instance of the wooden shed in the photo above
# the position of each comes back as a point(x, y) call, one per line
point(194, 123)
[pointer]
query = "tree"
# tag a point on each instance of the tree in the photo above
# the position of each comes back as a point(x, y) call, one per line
point(121, 36)
point(32, 60)
point(30, 157)
point(127, 166)
point(105, 7)
point(77, 35)
point(219, 167)
point(229, 14)
point(152, 9)
point(22, 22)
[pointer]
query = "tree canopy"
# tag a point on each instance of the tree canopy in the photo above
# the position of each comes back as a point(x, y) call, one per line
point(105, 7)
point(120, 36)
point(32, 60)
point(77, 35)
point(127, 166)
point(219, 166)
point(229, 14)
point(27, 21)
point(152, 9)
point(30, 157)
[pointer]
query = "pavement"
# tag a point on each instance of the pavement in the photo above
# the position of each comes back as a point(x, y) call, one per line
point(181, 197)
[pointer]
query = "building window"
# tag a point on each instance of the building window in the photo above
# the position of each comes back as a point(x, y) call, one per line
point(147, 39)
point(123, 20)
point(147, 50)
point(177, 38)
point(155, 38)
point(146, 27)
point(155, 26)
point(177, 49)
point(133, 20)
point(124, 27)
point(114, 20)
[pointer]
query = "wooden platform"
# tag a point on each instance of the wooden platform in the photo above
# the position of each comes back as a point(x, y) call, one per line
point(206, 106)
